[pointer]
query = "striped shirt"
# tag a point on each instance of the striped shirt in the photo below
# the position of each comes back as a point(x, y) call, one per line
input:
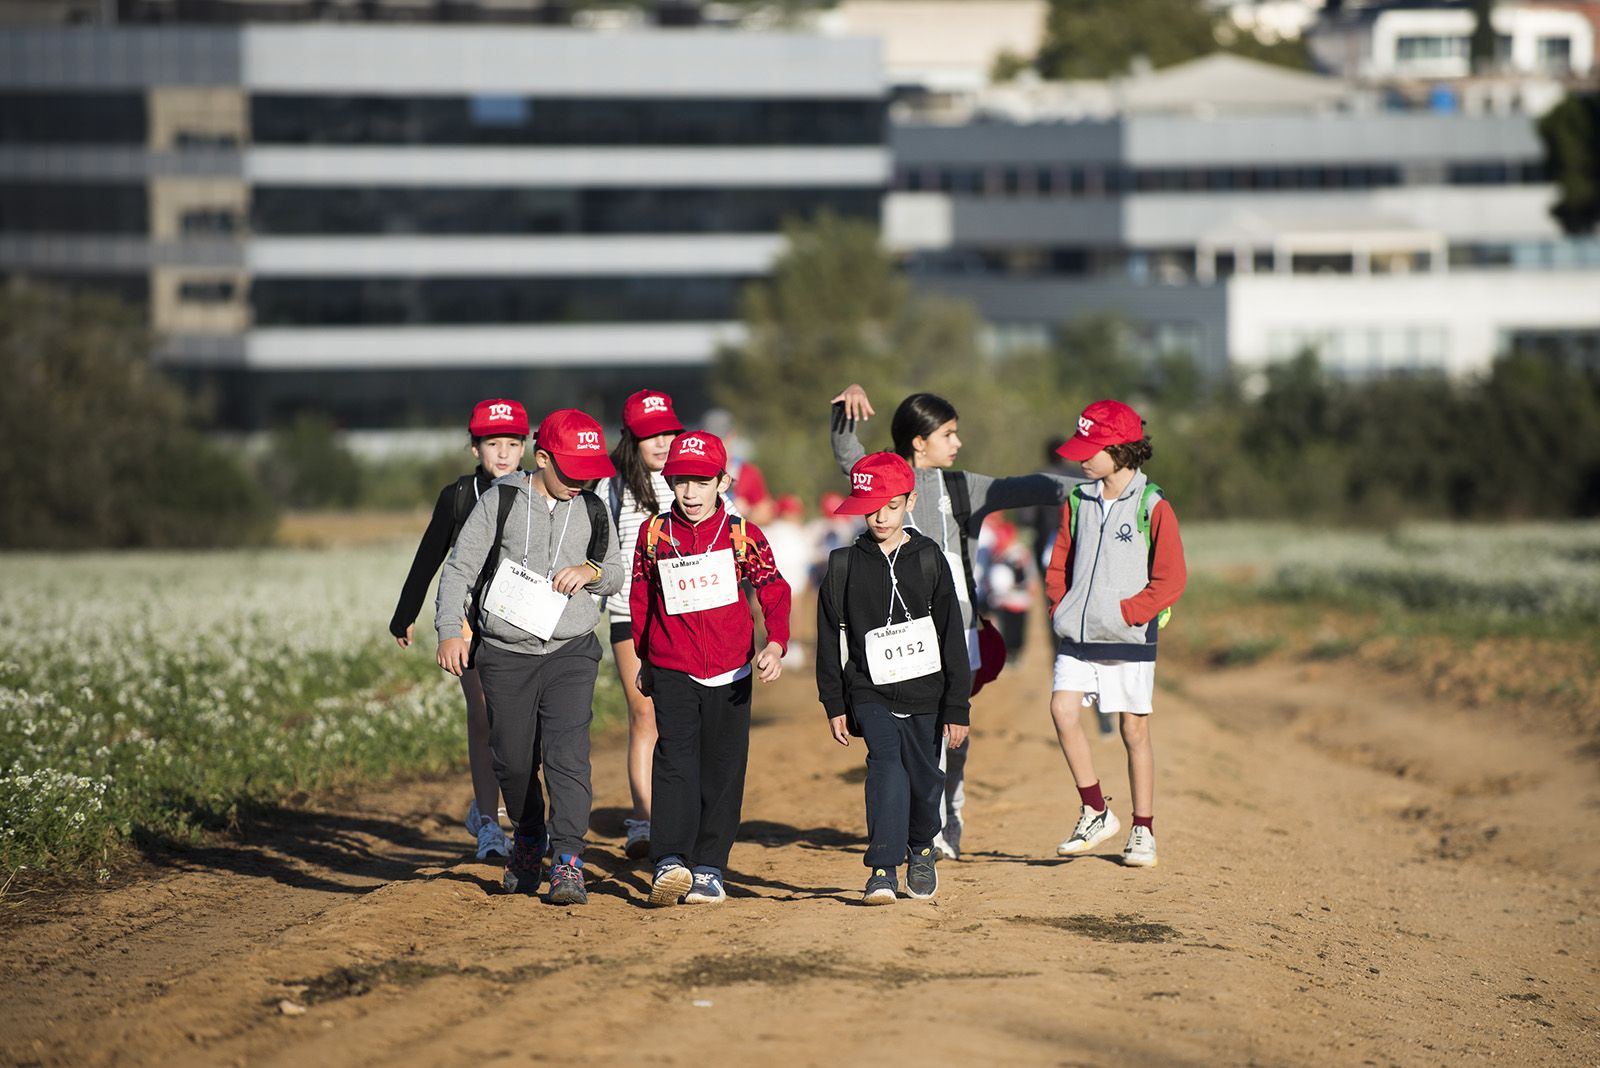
point(631, 518)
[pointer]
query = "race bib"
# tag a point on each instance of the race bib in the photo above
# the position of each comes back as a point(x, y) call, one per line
point(696, 583)
point(959, 574)
point(903, 651)
point(526, 600)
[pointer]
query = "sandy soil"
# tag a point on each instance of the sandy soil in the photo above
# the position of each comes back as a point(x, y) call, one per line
point(1351, 872)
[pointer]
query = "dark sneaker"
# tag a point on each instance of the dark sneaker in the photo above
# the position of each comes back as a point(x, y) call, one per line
point(882, 887)
point(566, 882)
point(523, 867)
point(922, 873)
point(707, 889)
point(672, 881)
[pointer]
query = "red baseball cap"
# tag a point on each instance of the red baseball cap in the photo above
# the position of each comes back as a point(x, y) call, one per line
point(577, 443)
point(498, 418)
point(876, 480)
point(648, 413)
point(1103, 423)
point(696, 454)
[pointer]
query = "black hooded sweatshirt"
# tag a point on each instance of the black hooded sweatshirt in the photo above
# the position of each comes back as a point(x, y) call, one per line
point(437, 541)
point(867, 596)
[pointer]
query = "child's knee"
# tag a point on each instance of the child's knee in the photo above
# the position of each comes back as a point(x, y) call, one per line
point(1135, 729)
point(1065, 707)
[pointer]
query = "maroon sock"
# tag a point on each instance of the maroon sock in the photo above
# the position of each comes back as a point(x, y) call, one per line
point(1091, 797)
point(1147, 822)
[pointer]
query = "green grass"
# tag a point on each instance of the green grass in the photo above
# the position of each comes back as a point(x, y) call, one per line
point(161, 696)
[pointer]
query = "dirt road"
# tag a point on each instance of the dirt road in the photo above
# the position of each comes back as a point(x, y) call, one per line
point(1349, 874)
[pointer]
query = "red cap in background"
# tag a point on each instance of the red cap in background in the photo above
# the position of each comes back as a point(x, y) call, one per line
point(789, 507)
point(875, 480)
point(829, 502)
point(577, 443)
point(648, 413)
point(1103, 423)
point(498, 417)
point(696, 454)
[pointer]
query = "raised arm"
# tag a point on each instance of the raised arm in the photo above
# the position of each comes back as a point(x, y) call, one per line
point(849, 406)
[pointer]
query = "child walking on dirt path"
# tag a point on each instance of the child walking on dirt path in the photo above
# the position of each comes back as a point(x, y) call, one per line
point(525, 557)
point(635, 495)
point(901, 680)
point(499, 430)
point(1115, 571)
point(950, 509)
point(696, 638)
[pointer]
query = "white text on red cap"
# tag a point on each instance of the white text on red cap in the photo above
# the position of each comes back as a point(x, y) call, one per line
point(589, 439)
point(861, 480)
point(1085, 425)
point(655, 404)
point(694, 445)
point(499, 411)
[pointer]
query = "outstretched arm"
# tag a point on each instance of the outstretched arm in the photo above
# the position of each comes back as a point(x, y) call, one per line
point(849, 406)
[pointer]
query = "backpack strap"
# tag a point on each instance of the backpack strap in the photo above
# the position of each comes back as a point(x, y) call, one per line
point(466, 499)
point(930, 573)
point(614, 495)
point(656, 530)
point(955, 484)
point(1148, 500)
point(744, 545)
point(837, 579)
point(599, 528)
point(1073, 501)
point(491, 564)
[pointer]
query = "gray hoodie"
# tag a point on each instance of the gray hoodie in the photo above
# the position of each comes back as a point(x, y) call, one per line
point(932, 514)
point(555, 539)
point(1110, 562)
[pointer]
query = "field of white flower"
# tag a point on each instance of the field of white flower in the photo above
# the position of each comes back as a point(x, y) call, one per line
point(149, 696)
point(1547, 571)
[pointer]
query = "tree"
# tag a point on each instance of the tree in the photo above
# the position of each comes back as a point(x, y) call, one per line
point(98, 451)
point(1482, 43)
point(1103, 38)
point(1571, 135)
point(835, 311)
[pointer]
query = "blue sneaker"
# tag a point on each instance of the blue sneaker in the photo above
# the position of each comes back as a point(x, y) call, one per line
point(882, 887)
point(672, 881)
point(708, 889)
point(566, 882)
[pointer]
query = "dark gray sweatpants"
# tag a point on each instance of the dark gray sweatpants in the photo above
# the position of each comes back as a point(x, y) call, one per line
point(904, 783)
point(540, 708)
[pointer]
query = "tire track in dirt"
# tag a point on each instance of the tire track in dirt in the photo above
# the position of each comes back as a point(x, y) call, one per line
point(1329, 890)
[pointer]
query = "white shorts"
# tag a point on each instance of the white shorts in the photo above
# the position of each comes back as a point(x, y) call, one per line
point(1118, 685)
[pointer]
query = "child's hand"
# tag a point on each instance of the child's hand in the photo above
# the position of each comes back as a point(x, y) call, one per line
point(955, 734)
point(405, 639)
point(452, 655)
point(769, 665)
point(856, 405)
point(570, 580)
point(645, 680)
point(840, 732)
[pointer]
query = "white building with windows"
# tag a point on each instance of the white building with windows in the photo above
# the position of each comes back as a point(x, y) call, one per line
point(1434, 40)
point(389, 222)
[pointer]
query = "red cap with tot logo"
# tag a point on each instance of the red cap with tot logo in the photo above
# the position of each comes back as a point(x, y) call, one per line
point(697, 455)
point(498, 418)
point(577, 443)
point(1103, 423)
point(648, 413)
point(876, 480)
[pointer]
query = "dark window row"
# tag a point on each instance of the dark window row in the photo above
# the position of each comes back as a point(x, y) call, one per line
point(1112, 180)
point(518, 120)
point(28, 118)
point(373, 301)
point(409, 210)
point(73, 208)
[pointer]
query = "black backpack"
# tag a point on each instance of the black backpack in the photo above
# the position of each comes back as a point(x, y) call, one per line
point(599, 540)
point(837, 579)
point(955, 484)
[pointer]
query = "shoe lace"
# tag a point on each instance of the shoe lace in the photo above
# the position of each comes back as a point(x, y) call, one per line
point(704, 878)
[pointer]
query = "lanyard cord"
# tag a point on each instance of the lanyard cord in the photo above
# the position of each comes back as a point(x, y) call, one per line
point(894, 585)
point(527, 532)
point(714, 538)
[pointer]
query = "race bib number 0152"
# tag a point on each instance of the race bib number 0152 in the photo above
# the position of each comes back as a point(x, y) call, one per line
point(903, 651)
point(696, 583)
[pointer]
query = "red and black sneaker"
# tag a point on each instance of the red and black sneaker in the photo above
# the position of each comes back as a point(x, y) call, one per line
point(566, 882)
point(524, 866)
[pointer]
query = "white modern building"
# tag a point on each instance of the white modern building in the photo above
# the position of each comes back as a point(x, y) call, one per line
point(1424, 40)
point(1388, 241)
point(390, 222)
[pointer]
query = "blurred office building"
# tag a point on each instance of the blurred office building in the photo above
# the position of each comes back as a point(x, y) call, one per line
point(389, 222)
point(1245, 213)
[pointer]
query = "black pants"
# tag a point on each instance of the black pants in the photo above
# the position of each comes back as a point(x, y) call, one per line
point(905, 788)
point(540, 708)
point(697, 778)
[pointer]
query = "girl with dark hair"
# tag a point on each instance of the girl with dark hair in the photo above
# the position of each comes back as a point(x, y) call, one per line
point(950, 509)
point(636, 494)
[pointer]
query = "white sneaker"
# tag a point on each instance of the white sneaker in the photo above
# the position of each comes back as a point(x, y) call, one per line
point(1092, 829)
point(492, 841)
point(638, 842)
point(1140, 852)
point(947, 843)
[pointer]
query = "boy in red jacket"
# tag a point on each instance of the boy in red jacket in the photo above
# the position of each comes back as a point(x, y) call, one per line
point(695, 639)
point(1116, 569)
